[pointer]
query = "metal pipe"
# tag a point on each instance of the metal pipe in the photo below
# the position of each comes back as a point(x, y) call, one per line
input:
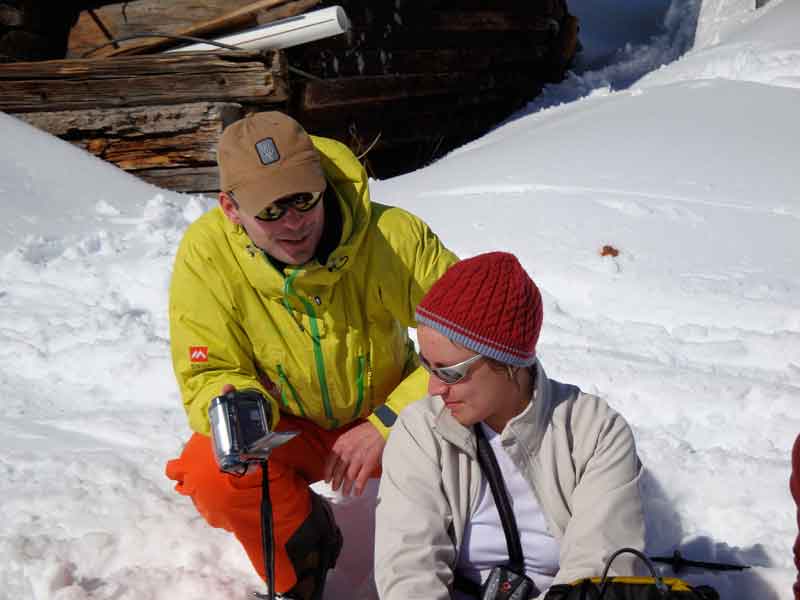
point(284, 33)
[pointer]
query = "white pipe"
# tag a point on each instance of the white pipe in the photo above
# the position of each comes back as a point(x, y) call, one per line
point(284, 33)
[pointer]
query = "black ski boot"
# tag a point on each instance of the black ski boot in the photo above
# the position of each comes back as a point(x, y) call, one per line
point(313, 550)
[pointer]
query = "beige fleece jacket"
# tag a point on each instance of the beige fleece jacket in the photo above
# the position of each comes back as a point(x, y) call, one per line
point(577, 454)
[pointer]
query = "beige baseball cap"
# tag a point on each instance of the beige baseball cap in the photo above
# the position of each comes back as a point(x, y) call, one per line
point(267, 156)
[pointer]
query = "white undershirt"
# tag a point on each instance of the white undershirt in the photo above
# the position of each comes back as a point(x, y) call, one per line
point(484, 544)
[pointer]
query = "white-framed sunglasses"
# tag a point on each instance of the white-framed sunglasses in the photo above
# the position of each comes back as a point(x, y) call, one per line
point(453, 373)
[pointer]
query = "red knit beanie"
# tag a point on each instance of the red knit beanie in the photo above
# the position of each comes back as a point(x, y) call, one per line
point(488, 304)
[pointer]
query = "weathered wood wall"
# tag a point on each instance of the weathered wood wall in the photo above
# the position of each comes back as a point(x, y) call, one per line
point(143, 80)
point(158, 116)
point(420, 78)
point(410, 81)
point(423, 78)
point(172, 146)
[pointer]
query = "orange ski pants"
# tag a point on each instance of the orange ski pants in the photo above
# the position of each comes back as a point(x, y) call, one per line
point(234, 503)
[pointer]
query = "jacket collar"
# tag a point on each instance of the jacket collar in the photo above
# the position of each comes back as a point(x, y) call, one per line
point(349, 182)
point(453, 431)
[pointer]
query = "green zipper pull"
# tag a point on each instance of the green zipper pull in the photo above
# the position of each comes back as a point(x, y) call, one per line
point(360, 385)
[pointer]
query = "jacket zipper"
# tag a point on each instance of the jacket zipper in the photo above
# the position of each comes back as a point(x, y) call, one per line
point(316, 343)
point(284, 384)
point(360, 385)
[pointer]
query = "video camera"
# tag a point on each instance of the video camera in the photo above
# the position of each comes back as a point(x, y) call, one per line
point(240, 430)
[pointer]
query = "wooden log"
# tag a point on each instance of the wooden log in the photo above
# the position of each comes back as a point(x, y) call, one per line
point(462, 20)
point(143, 137)
point(540, 6)
point(406, 110)
point(567, 43)
point(490, 20)
point(362, 129)
point(329, 93)
point(371, 62)
point(195, 180)
point(11, 16)
point(284, 11)
point(148, 80)
point(406, 38)
point(123, 18)
point(248, 16)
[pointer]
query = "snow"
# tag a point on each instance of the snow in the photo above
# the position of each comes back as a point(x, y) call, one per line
point(678, 147)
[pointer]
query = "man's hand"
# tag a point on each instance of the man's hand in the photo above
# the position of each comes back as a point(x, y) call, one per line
point(353, 458)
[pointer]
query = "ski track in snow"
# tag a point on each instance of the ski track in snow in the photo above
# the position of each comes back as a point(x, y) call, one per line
point(599, 194)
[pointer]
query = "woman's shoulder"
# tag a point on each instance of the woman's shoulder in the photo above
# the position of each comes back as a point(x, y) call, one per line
point(413, 436)
point(420, 415)
point(586, 417)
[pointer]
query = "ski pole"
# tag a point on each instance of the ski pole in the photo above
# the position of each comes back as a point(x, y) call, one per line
point(678, 563)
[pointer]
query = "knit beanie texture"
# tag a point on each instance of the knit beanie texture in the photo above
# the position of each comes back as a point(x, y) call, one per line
point(488, 304)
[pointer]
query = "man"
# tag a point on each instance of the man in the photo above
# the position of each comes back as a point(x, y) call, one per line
point(299, 287)
point(794, 484)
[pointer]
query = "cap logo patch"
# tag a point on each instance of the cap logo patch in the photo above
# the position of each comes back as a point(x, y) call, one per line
point(267, 151)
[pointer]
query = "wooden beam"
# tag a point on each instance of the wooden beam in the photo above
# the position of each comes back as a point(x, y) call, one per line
point(194, 180)
point(329, 93)
point(126, 17)
point(10, 16)
point(147, 80)
point(171, 146)
point(530, 19)
point(490, 20)
point(246, 17)
point(143, 137)
point(402, 129)
point(370, 62)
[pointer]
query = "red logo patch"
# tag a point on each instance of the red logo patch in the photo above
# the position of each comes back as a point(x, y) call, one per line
point(198, 353)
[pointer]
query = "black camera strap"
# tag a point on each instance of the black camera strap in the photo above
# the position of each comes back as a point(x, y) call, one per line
point(491, 470)
point(267, 531)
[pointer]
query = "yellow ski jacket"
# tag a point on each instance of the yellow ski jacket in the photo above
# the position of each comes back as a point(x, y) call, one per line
point(326, 342)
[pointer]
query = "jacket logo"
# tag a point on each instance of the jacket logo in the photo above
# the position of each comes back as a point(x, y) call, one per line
point(198, 354)
point(267, 151)
point(337, 263)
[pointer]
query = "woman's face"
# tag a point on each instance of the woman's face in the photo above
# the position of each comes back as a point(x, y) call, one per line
point(485, 394)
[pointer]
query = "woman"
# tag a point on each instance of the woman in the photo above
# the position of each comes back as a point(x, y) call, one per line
point(568, 461)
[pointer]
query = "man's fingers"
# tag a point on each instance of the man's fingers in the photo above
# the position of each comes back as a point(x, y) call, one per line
point(347, 486)
point(351, 475)
point(330, 465)
point(227, 388)
point(361, 480)
point(338, 476)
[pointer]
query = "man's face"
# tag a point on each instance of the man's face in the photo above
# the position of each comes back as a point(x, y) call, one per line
point(291, 239)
